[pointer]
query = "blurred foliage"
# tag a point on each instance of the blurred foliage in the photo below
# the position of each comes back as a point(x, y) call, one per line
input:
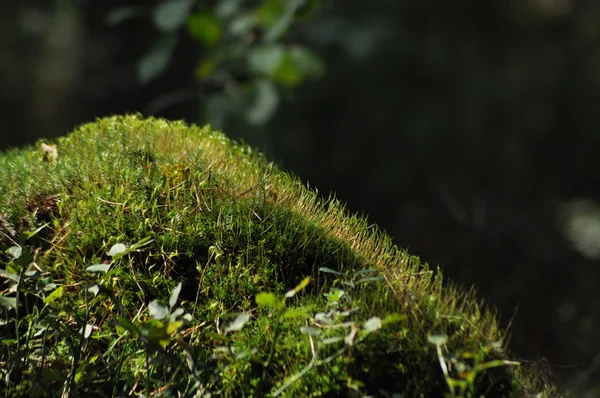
point(247, 52)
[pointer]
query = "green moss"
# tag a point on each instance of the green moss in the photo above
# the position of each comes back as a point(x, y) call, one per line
point(218, 218)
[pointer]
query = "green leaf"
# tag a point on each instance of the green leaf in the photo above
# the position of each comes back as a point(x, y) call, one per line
point(31, 234)
point(335, 295)
point(25, 258)
point(171, 15)
point(116, 249)
point(141, 243)
point(98, 268)
point(15, 251)
point(237, 323)
point(55, 295)
point(9, 275)
point(288, 73)
point(174, 295)
point(265, 59)
point(205, 28)
point(94, 289)
point(269, 300)
point(156, 332)
point(9, 302)
point(157, 60)
point(173, 315)
point(173, 327)
point(157, 310)
point(265, 103)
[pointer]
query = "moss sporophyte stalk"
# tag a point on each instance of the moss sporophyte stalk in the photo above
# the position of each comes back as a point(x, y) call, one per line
point(143, 257)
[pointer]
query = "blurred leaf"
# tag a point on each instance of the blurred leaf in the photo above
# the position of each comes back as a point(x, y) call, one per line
point(94, 289)
point(157, 310)
point(128, 325)
point(87, 330)
point(205, 28)
point(269, 300)
point(335, 295)
point(237, 323)
point(308, 61)
point(8, 275)
point(156, 61)
point(174, 295)
point(55, 295)
point(121, 14)
point(265, 59)
point(29, 234)
point(15, 251)
point(331, 340)
point(98, 268)
point(173, 327)
point(116, 249)
point(310, 331)
point(141, 243)
point(280, 21)
point(270, 11)
point(174, 314)
point(243, 24)
point(288, 73)
point(205, 68)
point(156, 332)
point(323, 318)
point(295, 313)
point(265, 102)
point(437, 339)
point(331, 271)
point(298, 288)
point(9, 302)
point(227, 8)
point(171, 15)
point(372, 324)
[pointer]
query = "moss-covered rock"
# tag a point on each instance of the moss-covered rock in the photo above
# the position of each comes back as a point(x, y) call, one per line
point(151, 257)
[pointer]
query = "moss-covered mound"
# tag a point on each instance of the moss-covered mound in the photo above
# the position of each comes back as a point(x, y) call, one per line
point(147, 257)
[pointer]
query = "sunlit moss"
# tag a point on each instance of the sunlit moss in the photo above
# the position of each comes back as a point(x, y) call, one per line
point(229, 225)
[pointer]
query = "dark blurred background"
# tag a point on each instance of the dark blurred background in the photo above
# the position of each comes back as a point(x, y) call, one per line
point(468, 130)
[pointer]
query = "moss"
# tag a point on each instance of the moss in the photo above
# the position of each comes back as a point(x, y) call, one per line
point(197, 209)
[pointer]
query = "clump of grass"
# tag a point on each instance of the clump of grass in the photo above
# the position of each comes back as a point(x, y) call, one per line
point(153, 258)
